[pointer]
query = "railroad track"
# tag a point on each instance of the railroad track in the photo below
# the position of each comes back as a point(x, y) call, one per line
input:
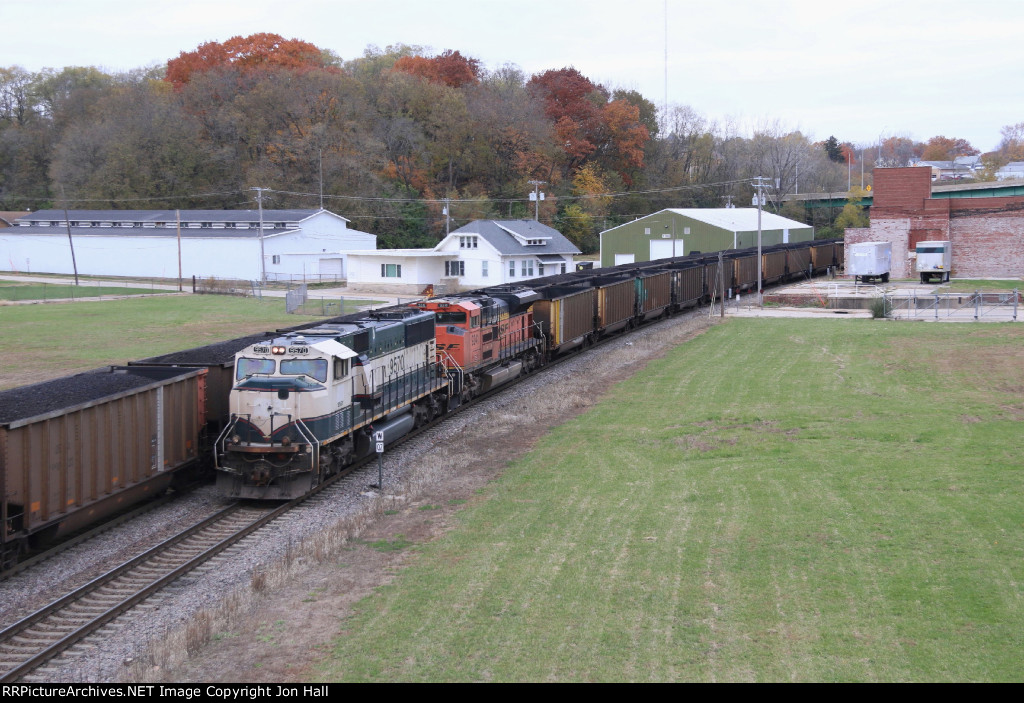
point(28, 644)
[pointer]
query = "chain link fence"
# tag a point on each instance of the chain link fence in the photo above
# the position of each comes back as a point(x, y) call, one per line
point(976, 306)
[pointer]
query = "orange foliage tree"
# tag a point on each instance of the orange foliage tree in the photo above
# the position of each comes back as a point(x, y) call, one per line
point(946, 149)
point(254, 52)
point(450, 68)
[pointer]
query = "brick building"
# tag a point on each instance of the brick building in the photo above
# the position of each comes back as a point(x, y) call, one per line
point(987, 233)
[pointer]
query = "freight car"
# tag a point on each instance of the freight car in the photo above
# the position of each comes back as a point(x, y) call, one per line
point(79, 449)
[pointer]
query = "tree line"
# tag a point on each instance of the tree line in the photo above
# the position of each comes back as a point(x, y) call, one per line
point(391, 140)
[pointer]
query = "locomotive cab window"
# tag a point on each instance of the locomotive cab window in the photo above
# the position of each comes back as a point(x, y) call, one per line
point(451, 318)
point(250, 367)
point(340, 368)
point(314, 368)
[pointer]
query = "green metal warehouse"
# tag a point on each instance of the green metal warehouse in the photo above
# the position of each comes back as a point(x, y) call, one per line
point(677, 232)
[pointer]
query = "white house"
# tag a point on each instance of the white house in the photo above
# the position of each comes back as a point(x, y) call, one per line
point(210, 243)
point(482, 253)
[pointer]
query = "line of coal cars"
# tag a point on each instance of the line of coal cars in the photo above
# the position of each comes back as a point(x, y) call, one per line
point(279, 411)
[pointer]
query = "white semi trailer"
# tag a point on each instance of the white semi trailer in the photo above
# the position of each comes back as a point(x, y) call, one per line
point(934, 259)
point(867, 261)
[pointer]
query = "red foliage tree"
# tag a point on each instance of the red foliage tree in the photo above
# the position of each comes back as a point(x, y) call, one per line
point(449, 68)
point(247, 53)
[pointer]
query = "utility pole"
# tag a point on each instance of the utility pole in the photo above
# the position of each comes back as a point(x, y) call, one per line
point(536, 196)
point(177, 219)
point(760, 185)
point(263, 259)
point(67, 223)
point(447, 216)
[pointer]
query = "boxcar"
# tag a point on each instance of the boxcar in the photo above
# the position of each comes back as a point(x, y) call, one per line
point(77, 449)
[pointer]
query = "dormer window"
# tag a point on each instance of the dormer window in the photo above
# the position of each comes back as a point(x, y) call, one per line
point(535, 242)
point(467, 242)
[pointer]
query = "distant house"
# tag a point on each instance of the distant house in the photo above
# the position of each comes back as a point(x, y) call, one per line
point(1011, 171)
point(958, 168)
point(211, 243)
point(681, 231)
point(482, 253)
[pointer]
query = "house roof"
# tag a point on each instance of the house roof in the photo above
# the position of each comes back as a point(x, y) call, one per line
point(509, 237)
point(221, 224)
point(289, 216)
point(733, 219)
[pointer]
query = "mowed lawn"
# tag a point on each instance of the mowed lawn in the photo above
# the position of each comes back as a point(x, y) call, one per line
point(777, 500)
point(40, 342)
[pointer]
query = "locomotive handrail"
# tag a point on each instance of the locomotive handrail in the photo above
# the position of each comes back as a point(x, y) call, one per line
point(221, 439)
point(314, 443)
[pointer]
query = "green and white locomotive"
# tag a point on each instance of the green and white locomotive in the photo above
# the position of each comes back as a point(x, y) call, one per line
point(306, 404)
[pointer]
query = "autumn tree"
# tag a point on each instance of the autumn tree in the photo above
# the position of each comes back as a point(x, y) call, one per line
point(257, 51)
point(947, 149)
point(589, 125)
point(899, 151)
point(449, 68)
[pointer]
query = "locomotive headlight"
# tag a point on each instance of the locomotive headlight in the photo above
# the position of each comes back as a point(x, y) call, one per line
point(286, 440)
point(277, 350)
point(235, 439)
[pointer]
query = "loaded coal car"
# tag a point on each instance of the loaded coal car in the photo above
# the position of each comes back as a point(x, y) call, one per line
point(798, 261)
point(653, 293)
point(773, 265)
point(566, 316)
point(76, 450)
point(307, 403)
point(822, 256)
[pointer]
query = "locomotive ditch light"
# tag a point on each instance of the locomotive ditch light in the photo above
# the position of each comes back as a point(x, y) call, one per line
point(277, 350)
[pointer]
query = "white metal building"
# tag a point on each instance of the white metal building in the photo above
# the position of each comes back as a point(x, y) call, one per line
point(210, 243)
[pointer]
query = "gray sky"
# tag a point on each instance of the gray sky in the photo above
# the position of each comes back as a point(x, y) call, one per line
point(858, 70)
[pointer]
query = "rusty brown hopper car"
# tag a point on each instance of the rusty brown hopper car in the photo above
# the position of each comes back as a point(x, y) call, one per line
point(798, 261)
point(744, 269)
point(773, 266)
point(77, 449)
point(616, 303)
point(653, 293)
point(565, 315)
point(822, 254)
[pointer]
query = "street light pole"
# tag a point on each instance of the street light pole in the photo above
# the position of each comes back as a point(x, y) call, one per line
point(759, 184)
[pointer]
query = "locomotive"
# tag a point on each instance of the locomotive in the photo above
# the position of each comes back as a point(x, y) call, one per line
point(307, 403)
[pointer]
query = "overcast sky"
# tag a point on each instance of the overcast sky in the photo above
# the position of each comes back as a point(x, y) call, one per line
point(856, 69)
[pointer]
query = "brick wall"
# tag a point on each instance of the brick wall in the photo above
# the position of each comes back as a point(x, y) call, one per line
point(987, 234)
point(899, 190)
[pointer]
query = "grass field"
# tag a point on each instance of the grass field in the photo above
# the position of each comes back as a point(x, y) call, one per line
point(40, 342)
point(793, 500)
point(55, 291)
